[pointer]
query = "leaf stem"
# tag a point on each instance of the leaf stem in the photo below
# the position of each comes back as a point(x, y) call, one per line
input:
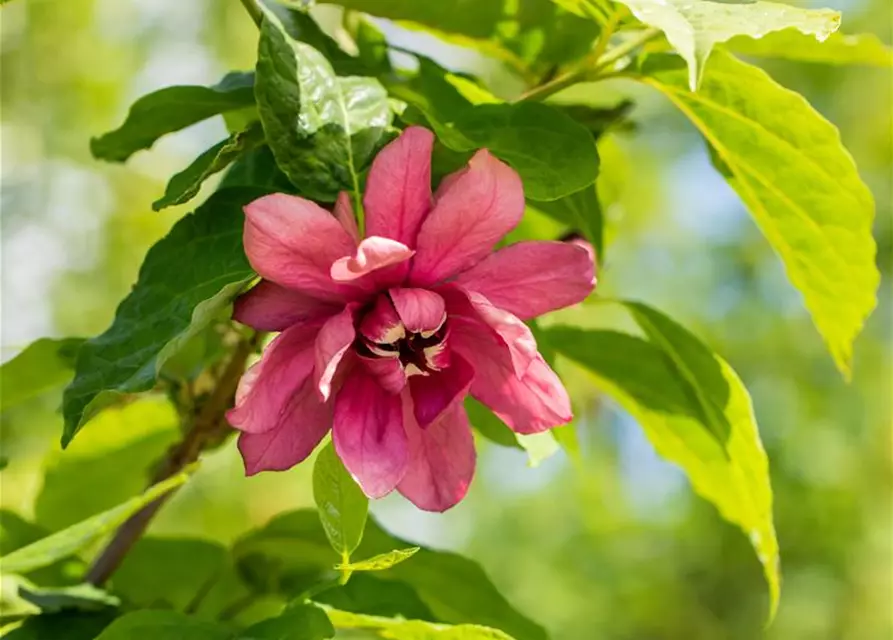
point(257, 15)
point(207, 427)
point(590, 72)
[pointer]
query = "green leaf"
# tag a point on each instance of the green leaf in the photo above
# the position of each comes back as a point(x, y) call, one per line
point(69, 541)
point(599, 120)
point(171, 109)
point(539, 446)
point(42, 366)
point(69, 625)
point(581, 211)
point(455, 589)
point(341, 503)
point(164, 625)
point(789, 167)
point(185, 185)
point(83, 597)
point(257, 168)
point(169, 572)
point(323, 129)
point(301, 26)
point(297, 622)
point(124, 443)
point(366, 593)
point(187, 279)
point(413, 629)
point(488, 425)
point(693, 27)
point(696, 413)
point(838, 49)
point(380, 562)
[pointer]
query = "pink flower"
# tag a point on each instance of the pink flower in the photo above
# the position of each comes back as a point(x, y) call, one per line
point(382, 338)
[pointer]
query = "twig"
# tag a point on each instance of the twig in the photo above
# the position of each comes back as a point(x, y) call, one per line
point(207, 426)
point(590, 72)
point(254, 11)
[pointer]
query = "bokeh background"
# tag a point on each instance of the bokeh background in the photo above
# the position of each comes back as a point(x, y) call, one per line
point(613, 545)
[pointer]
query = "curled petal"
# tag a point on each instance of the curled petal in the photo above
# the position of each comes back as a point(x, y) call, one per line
point(470, 215)
point(388, 372)
point(529, 279)
point(344, 214)
point(293, 242)
point(381, 324)
point(442, 461)
point(434, 394)
point(368, 433)
point(372, 254)
point(270, 307)
point(421, 311)
point(333, 341)
point(398, 190)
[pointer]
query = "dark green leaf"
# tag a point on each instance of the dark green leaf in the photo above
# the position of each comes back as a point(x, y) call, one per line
point(694, 410)
point(43, 365)
point(341, 503)
point(69, 625)
point(186, 280)
point(185, 185)
point(302, 27)
point(124, 443)
point(365, 593)
point(257, 168)
point(323, 129)
point(171, 109)
point(488, 425)
point(581, 211)
point(169, 572)
point(599, 120)
point(801, 185)
point(455, 589)
point(69, 541)
point(164, 625)
point(297, 622)
point(83, 597)
point(372, 48)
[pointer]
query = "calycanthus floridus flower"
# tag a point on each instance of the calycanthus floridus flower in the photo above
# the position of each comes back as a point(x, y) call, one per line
point(383, 337)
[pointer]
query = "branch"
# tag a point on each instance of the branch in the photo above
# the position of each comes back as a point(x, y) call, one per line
point(208, 426)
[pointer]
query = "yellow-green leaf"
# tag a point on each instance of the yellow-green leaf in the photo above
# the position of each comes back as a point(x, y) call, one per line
point(342, 505)
point(788, 165)
point(381, 561)
point(839, 49)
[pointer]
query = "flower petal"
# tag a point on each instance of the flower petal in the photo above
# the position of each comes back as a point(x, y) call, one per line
point(270, 307)
point(528, 400)
point(434, 394)
point(294, 242)
point(381, 324)
point(290, 444)
point(476, 208)
point(344, 214)
point(372, 254)
point(265, 392)
point(389, 372)
point(398, 189)
point(442, 461)
point(421, 311)
point(333, 341)
point(368, 433)
point(529, 279)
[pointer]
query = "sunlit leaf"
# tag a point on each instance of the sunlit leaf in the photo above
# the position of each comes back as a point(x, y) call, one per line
point(83, 597)
point(380, 562)
point(341, 503)
point(413, 629)
point(694, 410)
point(186, 280)
point(693, 27)
point(71, 540)
point(124, 444)
point(42, 366)
point(323, 129)
point(789, 167)
point(185, 185)
point(171, 109)
point(838, 49)
point(456, 590)
point(164, 625)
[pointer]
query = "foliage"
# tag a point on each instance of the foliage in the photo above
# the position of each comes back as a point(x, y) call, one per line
point(148, 395)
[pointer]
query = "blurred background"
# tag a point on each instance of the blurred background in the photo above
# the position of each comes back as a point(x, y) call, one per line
point(612, 545)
